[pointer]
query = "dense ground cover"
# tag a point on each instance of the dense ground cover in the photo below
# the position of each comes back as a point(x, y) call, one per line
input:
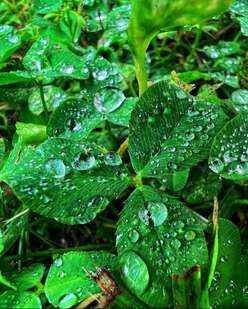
point(123, 154)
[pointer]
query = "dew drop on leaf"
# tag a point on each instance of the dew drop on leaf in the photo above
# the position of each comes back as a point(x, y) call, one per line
point(175, 243)
point(112, 159)
point(83, 162)
point(133, 236)
point(58, 262)
point(190, 235)
point(154, 213)
point(108, 100)
point(158, 213)
point(135, 272)
point(216, 166)
point(13, 39)
point(56, 167)
point(67, 69)
point(68, 301)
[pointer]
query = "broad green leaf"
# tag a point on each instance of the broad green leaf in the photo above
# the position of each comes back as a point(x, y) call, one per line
point(10, 42)
point(229, 152)
point(28, 277)
point(240, 100)
point(68, 281)
point(35, 60)
point(150, 16)
point(48, 60)
point(157, 236)
point(30, 133)
point(203, 186)
point(47, 6)
point(66, 64)
point(8, 78)
point(76, 118)
point(224, 284)
point(68, 181)
point(71, 23)
point(171, 131)
point(223, 48)
point(19, 300)
point(54, 96)
point(116, 26)
point(240, 10)
point(177, 181)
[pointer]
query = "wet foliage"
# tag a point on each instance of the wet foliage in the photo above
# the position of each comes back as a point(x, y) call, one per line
point(123, 154)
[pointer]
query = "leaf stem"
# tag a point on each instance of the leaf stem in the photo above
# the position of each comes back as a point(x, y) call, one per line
point(140, 71)
point(42, 97)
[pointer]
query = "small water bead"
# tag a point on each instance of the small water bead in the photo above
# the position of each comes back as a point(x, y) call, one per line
point(229, 156)
point(112, 159)
point(68, 301)
point(84, 162)
point(181, 94)
point(56, 167)
point(217, 166)
point(13, 39)
point(223, 259)
point(67, 69)
point(175, 243)
point(245, 289)
point(133, 236)
point(190, 235)
point(58, 262)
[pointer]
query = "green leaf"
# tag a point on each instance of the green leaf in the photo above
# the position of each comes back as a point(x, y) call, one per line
point(157, 236)
point(229, 152)
point(65, 180)
point(8, 78)
point(54, 96)
point(240, 100)
point(76, 118)
point(223, 48)
point(10, 42)
point(240, 10)
point(203, 186)
point(224, 284)
point(171, 131)
point(177, 181)
point(28, 277)
point(47, 6)
point(30, 133)
point(19, 300)
point(68, 281)
point(150, 16)
point(71, 23)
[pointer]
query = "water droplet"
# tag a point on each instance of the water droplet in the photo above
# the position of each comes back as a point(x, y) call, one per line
point(217, 166)
point(58, 262)
point(68, 301)
point(154, 213)
point(112, 159)
point(135, 272)
point(67, 69)
point(133, 236)
point(190, 235)
point(84, 162)
point(13, 39)
point(175, 243)
point(108, 100)
point(56, 167)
